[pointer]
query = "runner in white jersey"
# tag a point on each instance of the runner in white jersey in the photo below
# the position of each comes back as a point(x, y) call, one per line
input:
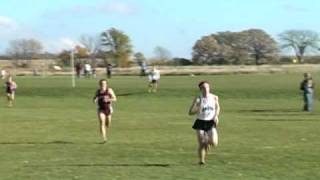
point(154, 77)
point(207, 108)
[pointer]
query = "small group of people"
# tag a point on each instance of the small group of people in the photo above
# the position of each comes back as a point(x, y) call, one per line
point(153, 75)
point(87, 70)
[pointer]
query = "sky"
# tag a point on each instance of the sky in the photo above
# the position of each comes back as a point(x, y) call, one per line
point(173, 24)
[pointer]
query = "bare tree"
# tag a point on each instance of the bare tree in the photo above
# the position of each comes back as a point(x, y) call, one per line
point(24, 48)
point(162, 53)
point(92, 44)
point(300, 41)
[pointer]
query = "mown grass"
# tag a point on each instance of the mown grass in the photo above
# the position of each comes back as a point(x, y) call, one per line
point(52, 132)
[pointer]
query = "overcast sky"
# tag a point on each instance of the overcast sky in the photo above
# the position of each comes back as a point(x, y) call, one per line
point(173, 24)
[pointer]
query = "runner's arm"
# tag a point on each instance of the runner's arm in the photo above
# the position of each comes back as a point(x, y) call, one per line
point(194, 107)
point(113, 96)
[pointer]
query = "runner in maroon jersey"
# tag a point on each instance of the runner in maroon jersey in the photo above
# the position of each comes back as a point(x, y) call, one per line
point(103, 98)
point(11, 87)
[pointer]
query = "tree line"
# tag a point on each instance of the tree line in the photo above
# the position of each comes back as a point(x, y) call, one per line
point(252, 46)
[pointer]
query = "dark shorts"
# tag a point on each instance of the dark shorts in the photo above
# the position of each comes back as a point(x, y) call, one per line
point(107, 110)
point(203, 125)
point(104, 111)
point(154, 81)
point(10, 91)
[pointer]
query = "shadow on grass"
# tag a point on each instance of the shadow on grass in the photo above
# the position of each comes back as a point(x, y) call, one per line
point(270, 111)
point(278, 112)
point(109, 165)
point(123, 165)
point(131, 94)
point(288, 120)
point(35, 143)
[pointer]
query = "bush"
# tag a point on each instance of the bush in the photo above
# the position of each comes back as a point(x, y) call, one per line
point(182, 62)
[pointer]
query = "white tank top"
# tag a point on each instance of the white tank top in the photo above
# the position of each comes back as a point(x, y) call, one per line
point(207, 107)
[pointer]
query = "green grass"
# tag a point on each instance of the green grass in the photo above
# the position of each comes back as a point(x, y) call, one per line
point(52, 132)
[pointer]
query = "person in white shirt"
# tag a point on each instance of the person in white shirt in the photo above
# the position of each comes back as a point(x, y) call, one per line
point(206, 107)
point(154, 77)
point(87, 70)
point(3, 74)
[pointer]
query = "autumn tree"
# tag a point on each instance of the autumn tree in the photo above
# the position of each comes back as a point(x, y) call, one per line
point(234, 47)
point(233, 43)
point(117, 46)
point(208, 50)
point(300, 41)
point(79, 53)
point(65, 56)
point(260, 45)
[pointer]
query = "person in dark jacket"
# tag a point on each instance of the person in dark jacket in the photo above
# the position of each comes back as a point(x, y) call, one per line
point(307, 88)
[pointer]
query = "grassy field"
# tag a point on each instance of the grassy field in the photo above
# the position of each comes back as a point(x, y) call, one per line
point(52, 132)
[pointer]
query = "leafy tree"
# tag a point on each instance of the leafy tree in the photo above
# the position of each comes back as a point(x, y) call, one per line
point(81, 52)
point(117, 46)
point(65, 57)
point(208, 50)
point(139, 58)
point(300, 41)
point(234, 47)
point(260, 45)
point(234, 42)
